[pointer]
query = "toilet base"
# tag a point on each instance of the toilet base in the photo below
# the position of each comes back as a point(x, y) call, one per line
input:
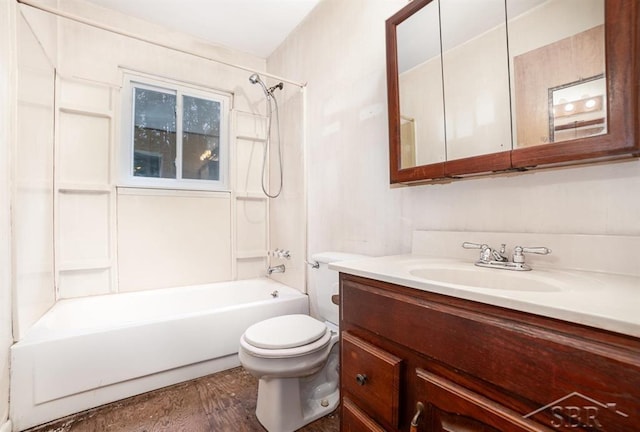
point(287, 404)
point(280, 408)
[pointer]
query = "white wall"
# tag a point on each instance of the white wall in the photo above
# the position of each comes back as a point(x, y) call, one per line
point(167, 259)
point(32, 187)
point(340, 51)
point(7, 130)
point(95, 217)
point(159, 232)
point(287, 212)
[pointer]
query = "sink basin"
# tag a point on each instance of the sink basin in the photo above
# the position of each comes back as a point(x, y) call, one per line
point(471, 276)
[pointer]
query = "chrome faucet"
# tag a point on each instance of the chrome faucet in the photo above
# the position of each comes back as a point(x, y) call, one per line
point(496, 258)
point(281, 253)
point(277, 269)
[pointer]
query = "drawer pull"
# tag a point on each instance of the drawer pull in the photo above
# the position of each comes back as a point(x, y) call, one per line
point(361, 379)
point(416, 417)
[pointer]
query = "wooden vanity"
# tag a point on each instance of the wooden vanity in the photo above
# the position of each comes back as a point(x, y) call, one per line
point(477, 367)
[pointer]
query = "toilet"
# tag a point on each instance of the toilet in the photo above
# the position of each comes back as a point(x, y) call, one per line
point(296, 357)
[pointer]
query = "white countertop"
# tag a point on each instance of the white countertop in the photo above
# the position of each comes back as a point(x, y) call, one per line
point(602, 300)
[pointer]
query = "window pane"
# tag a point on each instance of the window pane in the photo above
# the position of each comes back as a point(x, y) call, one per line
point(154, 134)
point(200, 139)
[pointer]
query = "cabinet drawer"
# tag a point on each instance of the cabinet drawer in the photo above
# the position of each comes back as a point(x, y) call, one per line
point(453, 407)
point(372, 376)
point(356, 420)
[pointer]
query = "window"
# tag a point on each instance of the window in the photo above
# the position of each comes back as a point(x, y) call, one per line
point(175, 136)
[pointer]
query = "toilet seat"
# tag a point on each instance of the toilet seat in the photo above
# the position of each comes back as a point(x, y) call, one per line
point(287, 331)
point(286, 336)
point(318, 345)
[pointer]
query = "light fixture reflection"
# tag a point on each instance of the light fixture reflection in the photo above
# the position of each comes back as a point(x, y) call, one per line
point(205, 155)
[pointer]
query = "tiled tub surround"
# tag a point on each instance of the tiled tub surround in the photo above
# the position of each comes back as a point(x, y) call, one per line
point(599, 275)
point(90, 351)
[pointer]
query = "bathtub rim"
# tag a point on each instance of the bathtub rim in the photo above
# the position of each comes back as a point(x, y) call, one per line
point(39, 332)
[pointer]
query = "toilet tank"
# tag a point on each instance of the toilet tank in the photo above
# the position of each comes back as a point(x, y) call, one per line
point(323, 283)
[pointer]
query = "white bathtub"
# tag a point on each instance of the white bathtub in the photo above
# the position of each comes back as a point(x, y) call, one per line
point(89, 351)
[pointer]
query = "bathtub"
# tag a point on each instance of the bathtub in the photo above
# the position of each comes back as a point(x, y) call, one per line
point(89, 351)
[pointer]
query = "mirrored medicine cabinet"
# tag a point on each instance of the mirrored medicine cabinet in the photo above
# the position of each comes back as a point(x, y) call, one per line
point(484, 86)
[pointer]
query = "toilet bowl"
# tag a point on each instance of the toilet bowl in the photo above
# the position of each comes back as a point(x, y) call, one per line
point(296, 357)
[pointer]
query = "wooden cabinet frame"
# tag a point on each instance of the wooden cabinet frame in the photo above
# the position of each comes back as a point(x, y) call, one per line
point(623, 87)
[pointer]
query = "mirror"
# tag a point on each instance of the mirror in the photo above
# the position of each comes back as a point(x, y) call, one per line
point(553, 49)
point(523, 83)
point(476, 77)
point(420, 79)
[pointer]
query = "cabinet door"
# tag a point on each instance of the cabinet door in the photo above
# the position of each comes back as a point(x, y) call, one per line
point(453, 408)
point(355, 420)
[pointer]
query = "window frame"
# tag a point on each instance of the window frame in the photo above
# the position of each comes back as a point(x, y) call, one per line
point(179, 89)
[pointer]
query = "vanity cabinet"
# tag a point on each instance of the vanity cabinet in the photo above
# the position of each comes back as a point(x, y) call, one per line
point(477, 367)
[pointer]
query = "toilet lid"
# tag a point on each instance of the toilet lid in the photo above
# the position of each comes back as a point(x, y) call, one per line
point(287, 331)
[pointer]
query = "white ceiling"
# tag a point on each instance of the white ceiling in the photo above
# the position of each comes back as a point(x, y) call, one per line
point(253, 26)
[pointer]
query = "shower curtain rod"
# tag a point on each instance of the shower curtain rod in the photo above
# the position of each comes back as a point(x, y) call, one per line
point(121, 32)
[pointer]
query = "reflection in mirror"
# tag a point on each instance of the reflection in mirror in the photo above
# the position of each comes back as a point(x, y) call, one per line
point(420, 88)
point(557, 55)
point(476, 78)
point(578, 110)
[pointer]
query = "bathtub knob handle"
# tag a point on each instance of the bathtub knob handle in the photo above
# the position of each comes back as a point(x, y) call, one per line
point(313, 264)
point(361, 379)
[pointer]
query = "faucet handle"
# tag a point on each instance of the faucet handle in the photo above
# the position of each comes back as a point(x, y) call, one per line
point(469, 245)
point(537, 250)
point(485, 250)
point(519, 251)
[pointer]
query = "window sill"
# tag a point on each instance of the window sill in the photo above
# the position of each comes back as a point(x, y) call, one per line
point(157, 191)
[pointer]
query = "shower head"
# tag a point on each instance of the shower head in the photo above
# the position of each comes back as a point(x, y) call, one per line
point(255, 79)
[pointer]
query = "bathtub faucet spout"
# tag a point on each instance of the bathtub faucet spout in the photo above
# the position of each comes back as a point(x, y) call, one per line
point(276, 269)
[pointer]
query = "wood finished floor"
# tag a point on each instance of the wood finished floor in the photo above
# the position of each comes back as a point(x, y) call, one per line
point(225, 401)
